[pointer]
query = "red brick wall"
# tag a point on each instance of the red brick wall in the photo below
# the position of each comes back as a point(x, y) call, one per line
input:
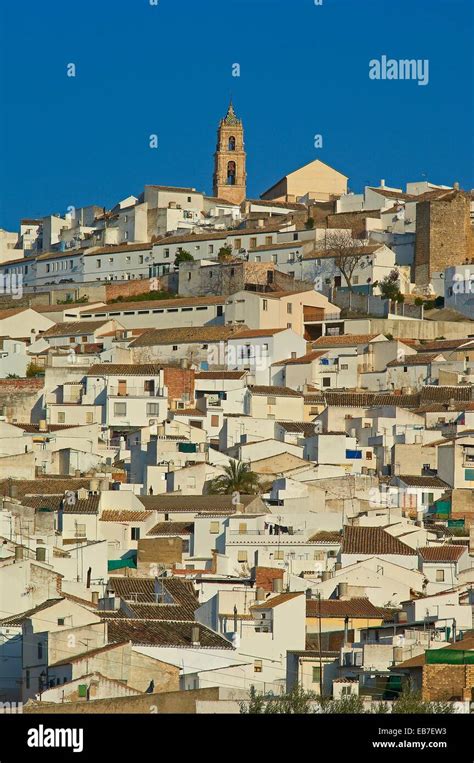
point(264, 577)
point(179, 381)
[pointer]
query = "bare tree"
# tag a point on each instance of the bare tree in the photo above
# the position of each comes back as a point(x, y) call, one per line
point(346, 250)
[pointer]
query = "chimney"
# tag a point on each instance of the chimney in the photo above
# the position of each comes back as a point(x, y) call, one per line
point(277, 585)
point(18, 553)
point(343, 591)
point(260, 594)
point(195, 635)
point(40, 554)
point(346, 629)
point(456, 186)
point(325, 575)
point(402, 616)
point(95, 598)
point(382, 183)
point(43, 427)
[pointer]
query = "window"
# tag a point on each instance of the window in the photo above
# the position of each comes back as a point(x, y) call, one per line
point(152, 409)
point(98, 264)
point(268, 240)
point(257, 666)
point(275, 259)
point(140, 259)
point(135, 533)
point(345, 690)
point(214, 528)
point(405, 369)
point(120, 409)
point(167, 253)
point(231, 145)
point(265, 304)
point(175, 347)
point(326, 381)
point(253, 243)
point(355, 280)
point(84, 339)
point(271, 400)
point(316, 675)
point(61, 620)
point(61, 417)
point(89, 418)
point(440, 576)
point(241, 556)
point(40, 650)
point(289, 308)
point(80, 531)
point(211, 248)
point(427, 499)
point(72, 340)
point(238, 243)
point(231, 171)
point(344, 366)
point(288, 325)
point(214, 421)
point(258, 259)
point(242, 528)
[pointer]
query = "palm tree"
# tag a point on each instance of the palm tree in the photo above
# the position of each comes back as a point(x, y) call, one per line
point(237, 479)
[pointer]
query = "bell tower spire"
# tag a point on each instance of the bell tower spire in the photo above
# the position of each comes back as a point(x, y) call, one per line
point(230, 177)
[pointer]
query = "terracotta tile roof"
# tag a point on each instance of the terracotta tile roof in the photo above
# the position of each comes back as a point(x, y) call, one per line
point(437, 393)
point(188, 412)
point(374, 541)
point(275, 601)
point(156, 304)
point(422, 359)
point(187, 334)
point(389, 194)
point(260, 389)
point(344, 340)
point(250, 333)
point(370, 399)
point(41, 487)
point(302, 360)
point(163, 633)
point(284, 245)
point(74, 328)
point(210, 375)
point(442, 344)
point(139, 593)
point(441, 553)
point(298, 427)
point(122, 515)
point(416, 480)
point(124, 369)
point(21, 617)
point(115, 249)
point(172, 528)
point(194, 503)
point(326, 536)
point(358, 607)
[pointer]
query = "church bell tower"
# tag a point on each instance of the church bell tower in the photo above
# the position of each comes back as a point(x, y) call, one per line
point(230, 176)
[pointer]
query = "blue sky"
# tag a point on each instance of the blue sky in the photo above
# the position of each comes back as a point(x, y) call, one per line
point(167, 69)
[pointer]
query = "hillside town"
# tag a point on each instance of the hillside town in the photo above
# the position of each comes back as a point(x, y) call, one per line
point(237, 445)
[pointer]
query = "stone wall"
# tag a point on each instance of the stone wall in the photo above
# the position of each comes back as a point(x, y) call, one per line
point(444, 235)
point(445, 682)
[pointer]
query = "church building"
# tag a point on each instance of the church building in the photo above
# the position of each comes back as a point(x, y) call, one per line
point(230, 177)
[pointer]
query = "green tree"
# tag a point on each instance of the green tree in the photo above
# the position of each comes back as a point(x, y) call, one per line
point(183, 256)
point(410, 702)
point(309, 224)
point(390, 287)
point(225, 253)
point(237, 479)
point(296, 702)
